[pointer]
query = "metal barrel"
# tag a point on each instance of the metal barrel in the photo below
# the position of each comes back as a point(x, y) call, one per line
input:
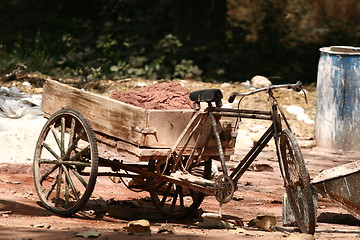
point(338, 99)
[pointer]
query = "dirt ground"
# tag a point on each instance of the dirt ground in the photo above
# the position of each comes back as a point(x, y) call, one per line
point(259, 193)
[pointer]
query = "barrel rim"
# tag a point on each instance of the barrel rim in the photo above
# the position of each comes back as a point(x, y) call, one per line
point(341, 50)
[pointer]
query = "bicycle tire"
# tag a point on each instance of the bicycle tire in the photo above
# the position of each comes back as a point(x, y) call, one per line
point(297, 183)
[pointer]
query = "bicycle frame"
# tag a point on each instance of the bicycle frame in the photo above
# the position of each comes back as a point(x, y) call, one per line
point(272, 132)
point(175, 156)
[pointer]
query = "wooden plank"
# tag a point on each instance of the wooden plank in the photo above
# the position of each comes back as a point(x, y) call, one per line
point(106, 115)
point(141, 127)
point(169, 124)
point(121, 151)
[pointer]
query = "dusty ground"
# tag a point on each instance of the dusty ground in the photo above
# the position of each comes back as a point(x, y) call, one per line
point(260, 193)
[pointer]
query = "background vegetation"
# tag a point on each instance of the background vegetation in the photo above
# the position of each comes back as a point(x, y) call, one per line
point(209, 40)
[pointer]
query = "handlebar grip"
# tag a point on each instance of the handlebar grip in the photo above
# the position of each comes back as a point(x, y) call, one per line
point(231, 98)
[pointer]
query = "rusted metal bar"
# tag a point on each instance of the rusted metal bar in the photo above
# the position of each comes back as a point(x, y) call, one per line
point(246, 111)
point(252, 154)
point(218, 142)
point(147, 174)
point(341, 185)
point(252, 116)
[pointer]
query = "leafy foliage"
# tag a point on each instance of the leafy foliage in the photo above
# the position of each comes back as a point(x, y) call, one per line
point(134, 38)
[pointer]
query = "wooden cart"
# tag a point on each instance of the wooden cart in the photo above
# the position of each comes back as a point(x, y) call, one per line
point(166, 152)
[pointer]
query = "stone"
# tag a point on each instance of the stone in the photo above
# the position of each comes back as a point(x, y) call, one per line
point(213, 220)
point(300, 236)
point(263, 222)
point(260, 81)
point(139, 228)
point(167, 228)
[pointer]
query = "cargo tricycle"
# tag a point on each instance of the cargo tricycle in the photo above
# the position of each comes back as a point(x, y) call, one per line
point(169, 153)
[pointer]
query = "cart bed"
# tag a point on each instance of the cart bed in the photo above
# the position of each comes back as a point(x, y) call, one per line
point(142, 128)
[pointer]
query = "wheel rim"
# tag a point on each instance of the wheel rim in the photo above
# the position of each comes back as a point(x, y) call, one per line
point(297, 184)
point(175, 201)
point(65, 162)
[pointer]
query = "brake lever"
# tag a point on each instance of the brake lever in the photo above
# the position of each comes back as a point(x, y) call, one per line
point(306, 101)
point(298, 88)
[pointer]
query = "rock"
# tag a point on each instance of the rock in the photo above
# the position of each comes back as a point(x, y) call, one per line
point(211, 215)
point(237, 222)
point(14, 91)
point(4, 90)
point(5, 213)
point(246, 84)
point(92, 233)
point(301, 236)
point(212, 220)
point(41, 225)
point(225, 85)
point(140, 85)
point(26, 85)
point(166, 228)
point(139, 228)
point(115, 179)
point(300, 114)
point(263, 222)
point(272, 219)
point(260, 81)
point(261, 168)
point(215, 223)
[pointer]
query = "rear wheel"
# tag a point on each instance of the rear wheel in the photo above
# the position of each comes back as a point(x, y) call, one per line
point(65, 162)
point(297, 183)
point(176, 201)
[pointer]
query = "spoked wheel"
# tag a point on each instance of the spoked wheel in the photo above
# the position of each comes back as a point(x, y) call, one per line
point(297, 183)
point(175, 201)
point(65, 162)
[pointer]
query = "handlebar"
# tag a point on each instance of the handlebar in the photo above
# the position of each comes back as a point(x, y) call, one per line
point(297, 87)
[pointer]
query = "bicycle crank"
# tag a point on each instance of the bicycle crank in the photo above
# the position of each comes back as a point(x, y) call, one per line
point(224, 188)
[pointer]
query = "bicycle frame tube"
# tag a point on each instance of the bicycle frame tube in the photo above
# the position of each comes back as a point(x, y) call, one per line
point(218, 143)
point(272, 132)
point(252, 154)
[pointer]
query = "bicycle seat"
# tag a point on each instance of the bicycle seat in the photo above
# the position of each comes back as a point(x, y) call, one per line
point(207, 95)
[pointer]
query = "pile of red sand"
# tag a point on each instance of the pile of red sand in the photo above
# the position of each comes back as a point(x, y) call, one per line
point(157, 96)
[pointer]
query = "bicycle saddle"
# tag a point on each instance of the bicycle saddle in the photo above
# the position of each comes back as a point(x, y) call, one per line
point(207, 95)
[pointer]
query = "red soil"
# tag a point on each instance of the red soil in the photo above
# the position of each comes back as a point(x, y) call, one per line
point(157, 96)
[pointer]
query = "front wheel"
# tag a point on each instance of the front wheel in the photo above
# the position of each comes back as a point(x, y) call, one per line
point(297, 183)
